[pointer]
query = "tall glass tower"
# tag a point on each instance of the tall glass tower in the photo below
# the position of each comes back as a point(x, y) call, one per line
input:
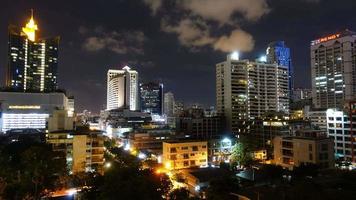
point(277, 52)
point(32, 62)
point(151, 95)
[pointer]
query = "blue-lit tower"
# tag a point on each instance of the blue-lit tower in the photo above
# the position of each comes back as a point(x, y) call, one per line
point(277, 52)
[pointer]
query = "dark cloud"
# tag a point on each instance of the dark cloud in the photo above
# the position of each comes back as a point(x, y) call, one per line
point(118, 42)
point(196, 28)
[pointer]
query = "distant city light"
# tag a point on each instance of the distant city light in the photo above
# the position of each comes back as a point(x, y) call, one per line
point(107, 165)
point(263, 58)
point(235, 55)
point(71, 192)
point(142, 156)
point(127, 147)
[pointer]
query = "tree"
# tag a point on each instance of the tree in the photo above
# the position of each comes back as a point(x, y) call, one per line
point(133, 183)
point(179, 194)
point(220, 188)
point(129, 180)
point(272, 172)
point(242, 151)
point(29, 170)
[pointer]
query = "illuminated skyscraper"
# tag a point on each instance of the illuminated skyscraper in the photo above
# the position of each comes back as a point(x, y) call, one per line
point(122, 89)
point(277, 52)
point(32, 62)
point(333, 69)
point(169, 104)
point(246, 90)
point(151, 98)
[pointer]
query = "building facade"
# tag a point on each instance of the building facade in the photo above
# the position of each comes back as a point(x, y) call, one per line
point(180, 155)
point(201, 127)
point(246, 90)
point(122, 89)
point(84, 151)
point(151, 98)
point(342, 128)
point(293, 151)
point(20, 110)
point(278, 53)
point(32, 62)
point(301, 94)
point(333, 69)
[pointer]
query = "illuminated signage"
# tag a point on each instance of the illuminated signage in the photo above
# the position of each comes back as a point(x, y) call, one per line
point(24, 107)
point(325, 39)
point(274, 123)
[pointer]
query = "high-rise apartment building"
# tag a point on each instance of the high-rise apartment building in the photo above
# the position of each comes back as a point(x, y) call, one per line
point(333, 69)
point(151, 98)
point(169, 104)
point(277, 52)
point(32, 62)
point(122, 89)
point(245, 90)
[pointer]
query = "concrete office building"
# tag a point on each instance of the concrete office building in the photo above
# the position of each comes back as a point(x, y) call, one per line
point(21, 110)
point(245, 90)
point(122, 89)
point(185, 154)
point(311, 147)
point(333, 69)
point(151, 98)
point(84, 150)
point(339, 126)
point(301, 94)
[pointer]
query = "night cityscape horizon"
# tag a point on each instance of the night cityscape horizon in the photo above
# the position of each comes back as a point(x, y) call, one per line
point(178, 99)
point(178, 59)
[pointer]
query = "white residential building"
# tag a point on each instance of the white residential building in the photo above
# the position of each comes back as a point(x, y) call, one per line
point(122, 89)
point(245, 90)
point(339, 128)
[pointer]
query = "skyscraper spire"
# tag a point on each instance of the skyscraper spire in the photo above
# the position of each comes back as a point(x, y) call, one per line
point(30, 28)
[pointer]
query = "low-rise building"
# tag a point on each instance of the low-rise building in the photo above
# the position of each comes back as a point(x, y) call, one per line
point(84, 150)
point(185, 154)
point(308, 147)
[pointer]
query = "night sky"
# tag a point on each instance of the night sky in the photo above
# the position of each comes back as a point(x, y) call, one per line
point(176, 42)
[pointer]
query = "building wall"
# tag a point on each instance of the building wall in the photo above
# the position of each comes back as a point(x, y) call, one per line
point(339, 128)
point(151, 95)
point(88, 153)
point(291, 152)
point(317, 118)
point(333, 70)
point(185, 154)
point(122, 89)
point(59, 120)
point(29, 110)
point(246, 90)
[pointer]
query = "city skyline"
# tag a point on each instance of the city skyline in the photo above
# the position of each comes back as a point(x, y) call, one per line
point(179, 59)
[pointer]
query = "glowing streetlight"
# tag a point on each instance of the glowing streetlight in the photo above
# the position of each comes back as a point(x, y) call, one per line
point(107, 165)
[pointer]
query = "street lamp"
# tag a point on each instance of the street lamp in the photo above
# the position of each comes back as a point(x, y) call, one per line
point(107, 165)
